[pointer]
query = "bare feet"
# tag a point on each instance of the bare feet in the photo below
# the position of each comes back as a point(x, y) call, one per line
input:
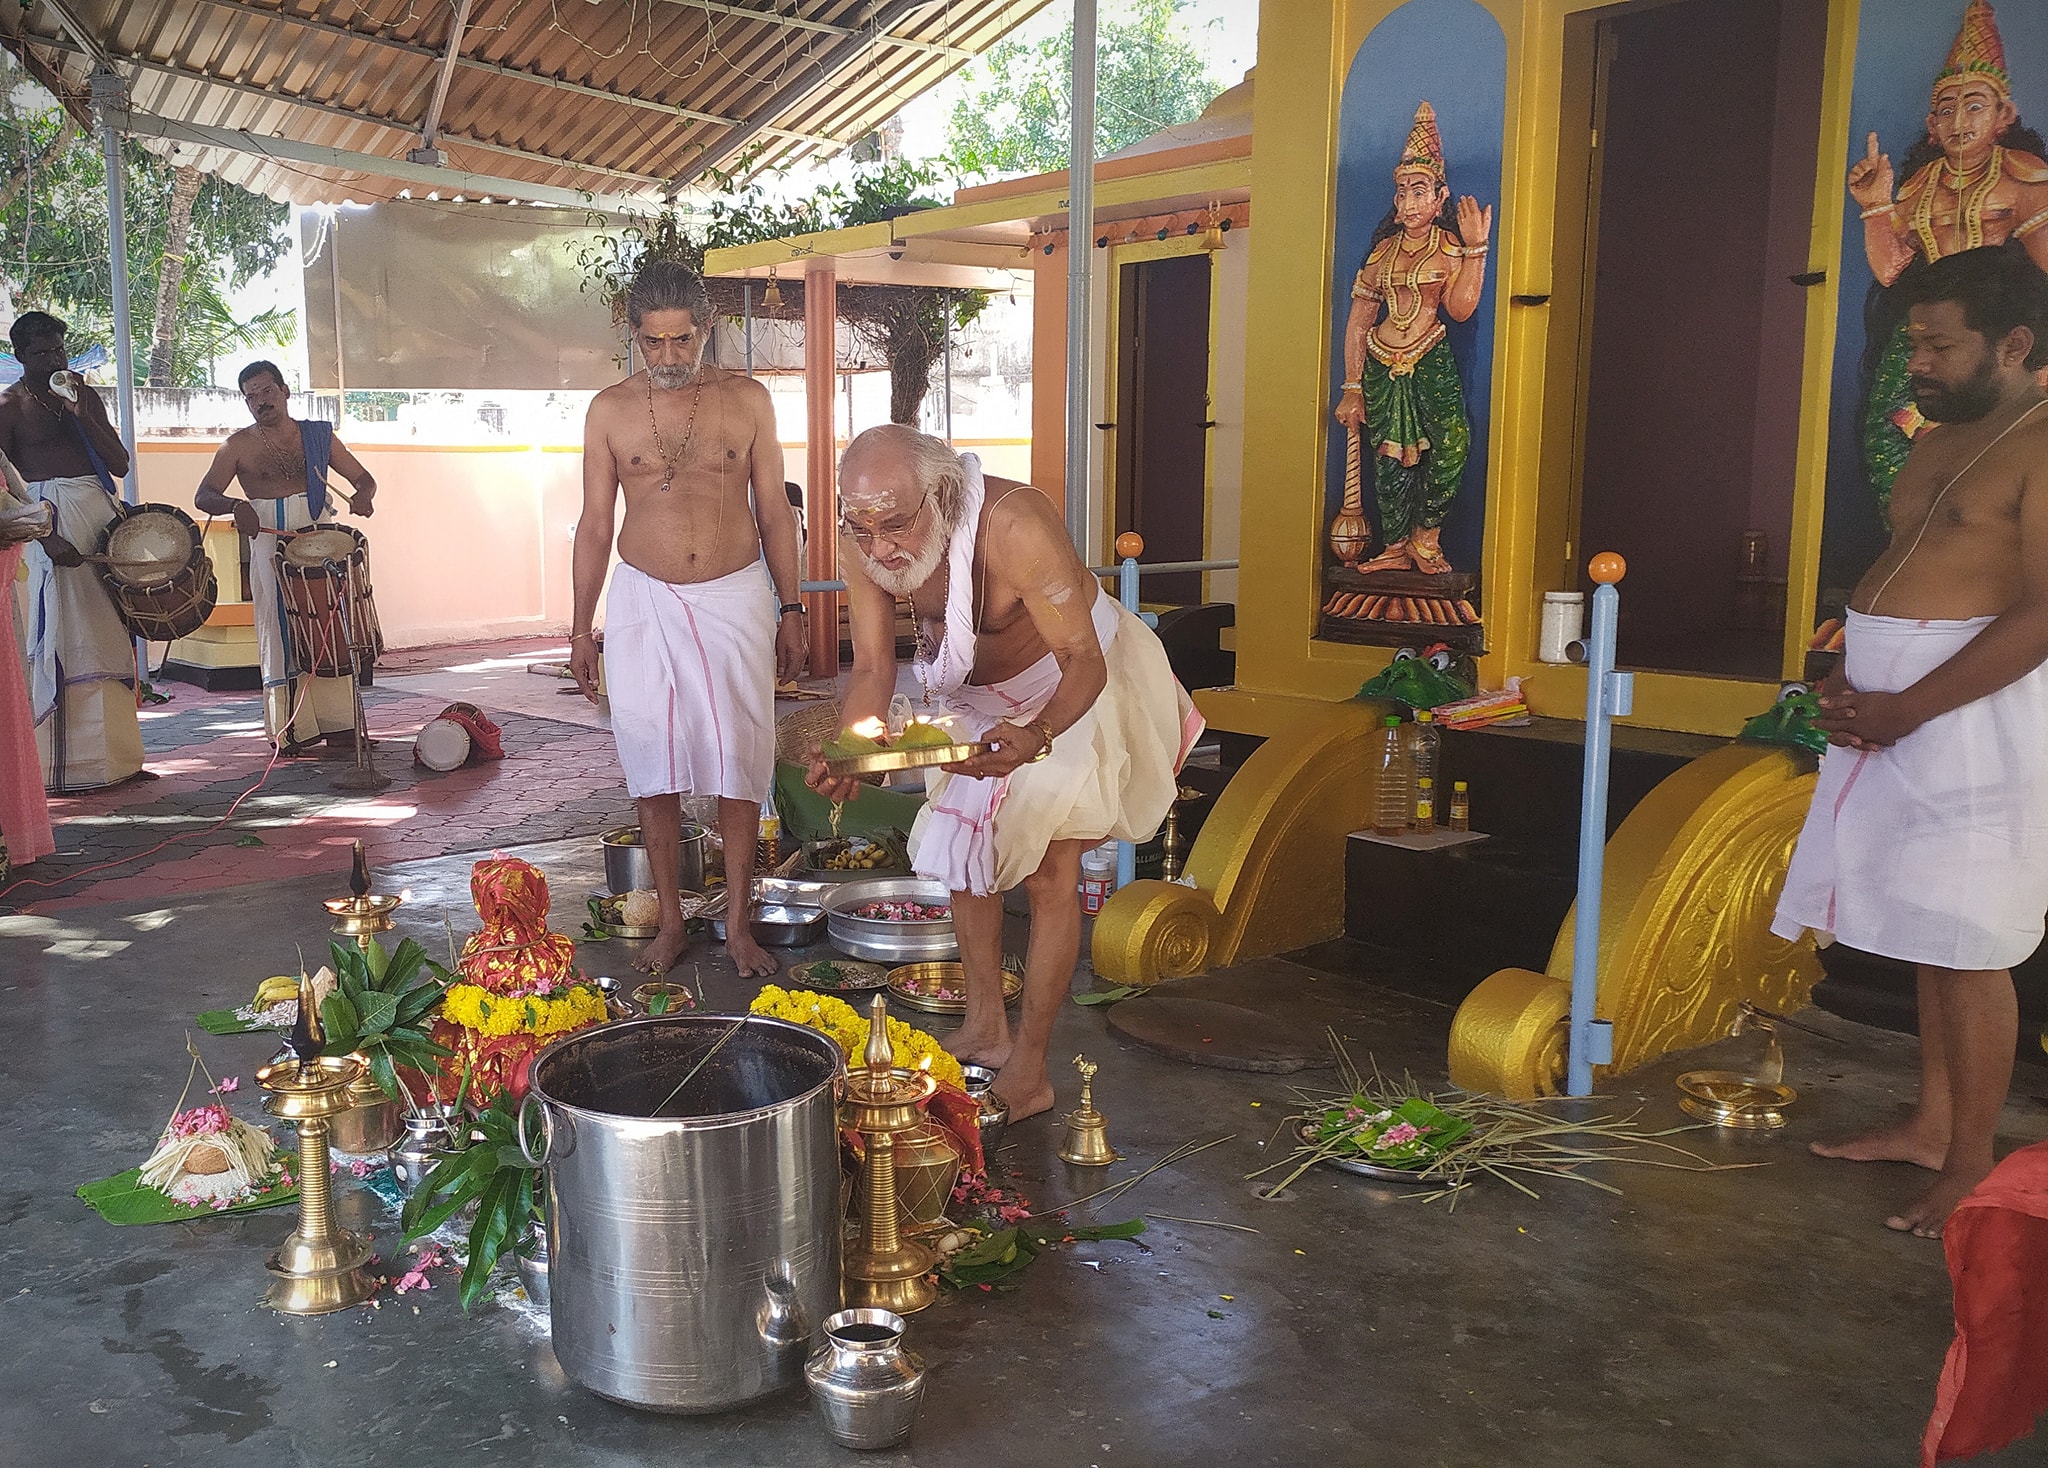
point(664, 949)
point(750, 958)
point(1024, 1098)
point(990, 1048)
point(1394, 558)
point(1910, 1140)
point(1924, 1220)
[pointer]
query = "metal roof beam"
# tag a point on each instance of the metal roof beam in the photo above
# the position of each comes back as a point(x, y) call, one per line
point(87, 39)
point(348, 114)
point(825, 28)
point(288, 150)
point(512, 73)
point(427, 152)
point(836, 57)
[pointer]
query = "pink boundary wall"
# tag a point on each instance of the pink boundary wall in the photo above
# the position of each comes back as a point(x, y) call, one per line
point(469, 542)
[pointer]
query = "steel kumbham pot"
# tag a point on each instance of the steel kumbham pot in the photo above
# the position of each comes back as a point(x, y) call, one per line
point(693, 1241)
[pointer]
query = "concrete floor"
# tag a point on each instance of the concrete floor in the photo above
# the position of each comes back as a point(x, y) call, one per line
point(1754, 1317)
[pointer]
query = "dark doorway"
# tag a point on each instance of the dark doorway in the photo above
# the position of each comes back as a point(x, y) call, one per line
point(1706, 129)
point(1162, 436)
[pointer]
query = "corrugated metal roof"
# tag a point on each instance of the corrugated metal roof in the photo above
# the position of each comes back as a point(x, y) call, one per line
point(564, 97)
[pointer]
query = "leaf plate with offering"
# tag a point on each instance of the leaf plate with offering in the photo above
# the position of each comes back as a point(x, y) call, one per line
point(868, 748)
point(1392, 1143)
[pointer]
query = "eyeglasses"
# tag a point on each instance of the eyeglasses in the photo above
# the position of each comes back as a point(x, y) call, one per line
point(894, 531)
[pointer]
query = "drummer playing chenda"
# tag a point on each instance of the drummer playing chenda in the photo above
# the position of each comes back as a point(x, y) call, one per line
point(282, 464)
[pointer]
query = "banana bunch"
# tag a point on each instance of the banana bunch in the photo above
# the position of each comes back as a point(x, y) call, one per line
point(275, 990)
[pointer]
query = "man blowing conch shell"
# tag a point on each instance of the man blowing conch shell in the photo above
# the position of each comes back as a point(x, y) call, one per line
point(1020, 644)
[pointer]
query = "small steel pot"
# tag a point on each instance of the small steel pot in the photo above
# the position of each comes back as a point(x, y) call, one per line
point(994, 1112)
point(431, 1137)
point(864, 1385)
point(626, 864)
point(778, 925)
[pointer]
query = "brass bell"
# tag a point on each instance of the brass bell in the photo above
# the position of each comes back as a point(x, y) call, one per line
point(1087, 1140)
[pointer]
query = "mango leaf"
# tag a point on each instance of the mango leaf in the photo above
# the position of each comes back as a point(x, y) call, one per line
point(375, 1012)
point(341, 1021)
point(487, 1236)
point(402, 971)
point(377, 961)
point(1108, 996)
point(385, 1074)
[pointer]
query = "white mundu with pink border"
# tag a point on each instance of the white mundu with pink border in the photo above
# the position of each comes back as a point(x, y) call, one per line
point(690, 671)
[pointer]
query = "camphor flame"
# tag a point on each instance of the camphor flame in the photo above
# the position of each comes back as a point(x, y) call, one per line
point(870, 728)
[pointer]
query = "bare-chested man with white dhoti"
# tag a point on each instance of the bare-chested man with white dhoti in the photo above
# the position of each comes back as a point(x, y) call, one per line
point(1927, 839)
point(281, 462)
point(1019, 643)
point(697, 629)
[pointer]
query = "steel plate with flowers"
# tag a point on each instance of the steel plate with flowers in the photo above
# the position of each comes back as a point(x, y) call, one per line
point(1393, 1144)
point(941, 988)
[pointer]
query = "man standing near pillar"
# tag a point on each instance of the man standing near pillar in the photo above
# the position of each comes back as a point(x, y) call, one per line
point(698, 628)
point(80, 657)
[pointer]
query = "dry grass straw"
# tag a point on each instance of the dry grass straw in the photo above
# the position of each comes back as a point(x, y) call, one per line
point(1509, 1140)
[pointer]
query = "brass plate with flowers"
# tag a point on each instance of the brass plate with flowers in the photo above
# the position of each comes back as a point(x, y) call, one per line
point(941, 988)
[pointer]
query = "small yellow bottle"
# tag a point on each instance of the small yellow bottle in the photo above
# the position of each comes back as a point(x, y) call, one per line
point(1425, 806)
point(1461, 807)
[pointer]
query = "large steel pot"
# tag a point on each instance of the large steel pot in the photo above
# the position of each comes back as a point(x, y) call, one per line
point(627, 868)
point(693, 1242)
point(887, 942)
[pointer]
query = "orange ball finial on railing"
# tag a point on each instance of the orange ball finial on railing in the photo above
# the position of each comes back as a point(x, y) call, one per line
point(1607, 568)
point(1130, 545)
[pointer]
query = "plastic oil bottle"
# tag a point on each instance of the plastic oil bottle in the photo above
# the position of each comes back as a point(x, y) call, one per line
point(1461, 807)
point(1425, 741)
point(1393, 803)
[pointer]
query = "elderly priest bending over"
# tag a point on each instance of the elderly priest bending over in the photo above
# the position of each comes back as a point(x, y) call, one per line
point(1025, 650)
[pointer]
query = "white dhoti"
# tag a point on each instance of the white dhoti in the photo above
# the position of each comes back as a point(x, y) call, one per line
point(1935, 850)
point(690, 672)
point(1113, 773)
point(324, 705)
point(79, 654)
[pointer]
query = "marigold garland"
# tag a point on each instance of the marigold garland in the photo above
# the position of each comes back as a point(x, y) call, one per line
point(492, 1015)
point(848, 1028)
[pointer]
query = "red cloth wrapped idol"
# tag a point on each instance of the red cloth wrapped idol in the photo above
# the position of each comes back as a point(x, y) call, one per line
point(518, 990)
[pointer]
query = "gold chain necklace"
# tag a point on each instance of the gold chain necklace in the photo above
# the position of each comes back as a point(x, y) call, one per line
point(1412, 280)
point(669, 461)
point(48, 407)
point(284, 465)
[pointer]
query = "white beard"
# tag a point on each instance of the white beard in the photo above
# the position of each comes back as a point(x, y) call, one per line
point(914, 575)
point(671, 379)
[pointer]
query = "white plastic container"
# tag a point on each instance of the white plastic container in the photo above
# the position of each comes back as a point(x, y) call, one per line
point(1098, 876)
point(1564, 622)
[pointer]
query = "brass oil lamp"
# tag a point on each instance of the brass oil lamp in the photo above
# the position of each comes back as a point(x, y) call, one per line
point(362, 914)
point(320, 1267)
point(885, 1270)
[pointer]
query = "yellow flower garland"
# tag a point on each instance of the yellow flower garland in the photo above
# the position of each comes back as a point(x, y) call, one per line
point(848, 1027)
point(492, 1015)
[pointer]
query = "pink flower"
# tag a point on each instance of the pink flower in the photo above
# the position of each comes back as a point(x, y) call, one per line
point(1399, 1135)
point(228, 1087)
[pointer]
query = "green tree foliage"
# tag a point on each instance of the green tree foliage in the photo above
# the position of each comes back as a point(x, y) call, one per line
point(56, 246)
point(1013, 116)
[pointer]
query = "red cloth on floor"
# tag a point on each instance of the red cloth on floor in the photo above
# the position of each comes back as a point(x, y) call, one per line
point(1994, 1383)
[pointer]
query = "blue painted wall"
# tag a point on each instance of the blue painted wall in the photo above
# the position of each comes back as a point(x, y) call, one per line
point(1900, 46)
point(1452, 54)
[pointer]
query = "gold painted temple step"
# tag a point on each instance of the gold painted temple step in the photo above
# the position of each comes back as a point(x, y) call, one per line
point(1693, 876)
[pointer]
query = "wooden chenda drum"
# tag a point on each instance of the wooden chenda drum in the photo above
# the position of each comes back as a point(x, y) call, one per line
point(320, 572)
point(157, 572)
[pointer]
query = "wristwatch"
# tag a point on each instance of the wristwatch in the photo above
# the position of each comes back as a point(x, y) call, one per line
point(791, 606)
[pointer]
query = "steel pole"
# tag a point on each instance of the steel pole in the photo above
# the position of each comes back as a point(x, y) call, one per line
point(1608, 695)
point(1080, 266)
point(110, 102)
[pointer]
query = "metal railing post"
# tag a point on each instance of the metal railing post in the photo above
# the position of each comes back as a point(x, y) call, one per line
point(1609, 695)
point(1129, 546)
